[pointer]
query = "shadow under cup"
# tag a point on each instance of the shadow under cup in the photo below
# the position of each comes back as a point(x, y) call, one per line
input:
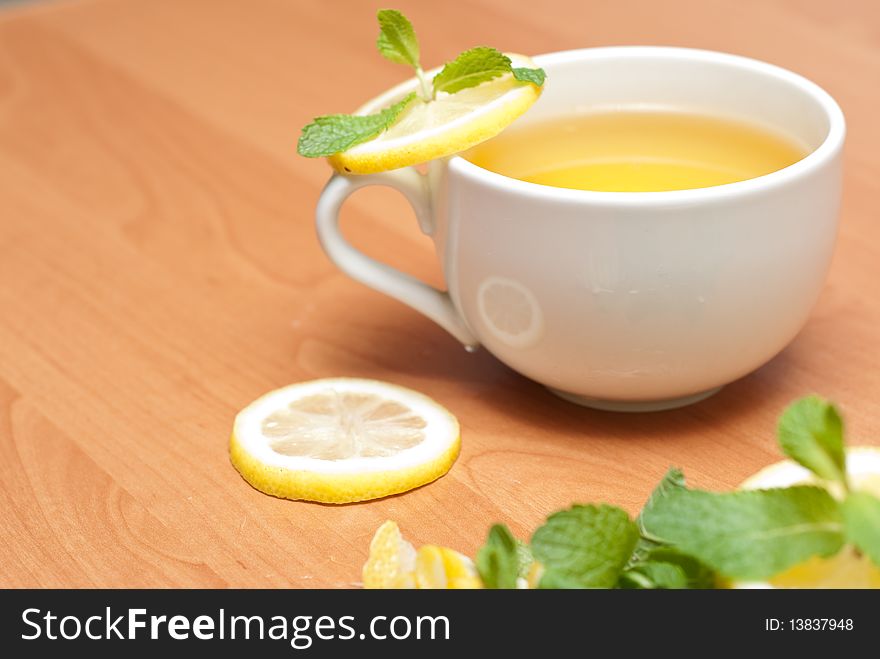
point(628, 300)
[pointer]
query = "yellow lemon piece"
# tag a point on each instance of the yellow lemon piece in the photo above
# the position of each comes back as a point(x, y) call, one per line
point(394, 563)
point(844, 570)
point(847, 569)
point(449, 124)
point(444, 568)
point(392, 560)
point(342, 440)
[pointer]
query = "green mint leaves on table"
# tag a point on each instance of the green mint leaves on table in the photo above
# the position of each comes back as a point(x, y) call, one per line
point(584, 546)
point(749, 535)
point(672, 481)
point(656, 563)
point(499, 562)
point(685, 538)
point(397, 42)
point(653, 565)
point(811, 433)
point(757, 534)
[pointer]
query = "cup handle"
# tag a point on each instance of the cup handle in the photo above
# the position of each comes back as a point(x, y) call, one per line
point(435, 304)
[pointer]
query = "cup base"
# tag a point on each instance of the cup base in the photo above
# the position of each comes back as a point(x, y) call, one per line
point(634, 405)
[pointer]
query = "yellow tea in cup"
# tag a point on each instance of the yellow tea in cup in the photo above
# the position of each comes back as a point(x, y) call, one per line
point(637, 150)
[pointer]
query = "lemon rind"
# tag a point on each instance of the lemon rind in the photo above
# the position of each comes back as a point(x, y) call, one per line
point(338, 488)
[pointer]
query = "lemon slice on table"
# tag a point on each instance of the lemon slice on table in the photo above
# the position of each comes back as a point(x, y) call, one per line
point(342, 440)
point(446, 125)
point(847, 569)
point(394, 563)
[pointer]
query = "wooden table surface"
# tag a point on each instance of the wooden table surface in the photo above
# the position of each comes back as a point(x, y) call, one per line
point(159, 270)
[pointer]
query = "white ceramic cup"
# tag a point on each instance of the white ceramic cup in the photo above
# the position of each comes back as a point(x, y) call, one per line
point(626, 300)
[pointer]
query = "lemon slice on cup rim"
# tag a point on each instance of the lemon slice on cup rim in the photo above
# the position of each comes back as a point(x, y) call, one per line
point(449, 124)
point(342, 440)
point(846, 569)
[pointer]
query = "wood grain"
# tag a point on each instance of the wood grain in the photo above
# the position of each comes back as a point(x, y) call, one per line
point(159, 270)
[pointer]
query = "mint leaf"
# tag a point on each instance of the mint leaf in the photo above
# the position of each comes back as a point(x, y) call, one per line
point(534, 76)
point(397, 39)
point(811, 432)
point(698, 575)
point(672, 481)
point(470, 69)
point(748, 535)
point(584, 546)
point(651, 574)
point(861, 518)
point(651, 550)
point(339, 132)
point(498, 561)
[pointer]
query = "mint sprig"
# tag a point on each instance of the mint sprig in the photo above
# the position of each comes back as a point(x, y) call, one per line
point(752, 534)
point(686, 538)
point(397, 42)
point(757, 534)
point(339, 132)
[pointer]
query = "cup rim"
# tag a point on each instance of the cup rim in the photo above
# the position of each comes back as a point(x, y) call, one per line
point(829, 147)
